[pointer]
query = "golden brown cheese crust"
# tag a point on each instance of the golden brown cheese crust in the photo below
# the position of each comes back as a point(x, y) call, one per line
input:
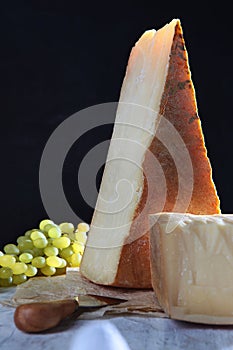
point(178, 106)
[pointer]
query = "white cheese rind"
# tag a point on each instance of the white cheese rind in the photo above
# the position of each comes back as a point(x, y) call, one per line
point(192, 266)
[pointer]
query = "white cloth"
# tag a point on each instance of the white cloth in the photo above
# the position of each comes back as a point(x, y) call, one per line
point(101, 335)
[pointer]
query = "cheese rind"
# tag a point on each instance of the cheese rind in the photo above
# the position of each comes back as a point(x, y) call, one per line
point(192, 266)
point(156, 124)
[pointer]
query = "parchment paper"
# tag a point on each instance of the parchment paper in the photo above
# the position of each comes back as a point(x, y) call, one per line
point(134, 301)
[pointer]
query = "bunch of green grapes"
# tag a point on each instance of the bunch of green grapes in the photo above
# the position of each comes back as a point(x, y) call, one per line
point(46, 251)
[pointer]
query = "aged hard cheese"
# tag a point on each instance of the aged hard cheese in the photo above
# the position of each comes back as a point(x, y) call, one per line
point(156, 161)
point(192, 266)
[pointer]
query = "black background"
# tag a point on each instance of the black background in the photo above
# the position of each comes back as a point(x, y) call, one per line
point(58, 57)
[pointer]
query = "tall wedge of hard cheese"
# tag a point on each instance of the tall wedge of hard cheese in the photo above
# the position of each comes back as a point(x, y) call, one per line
point(156, 161)
point(192, 266)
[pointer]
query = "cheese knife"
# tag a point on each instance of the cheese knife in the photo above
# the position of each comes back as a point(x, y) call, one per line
point(41, 316)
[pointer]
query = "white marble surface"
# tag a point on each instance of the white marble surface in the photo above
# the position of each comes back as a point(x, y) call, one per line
point(140, 333)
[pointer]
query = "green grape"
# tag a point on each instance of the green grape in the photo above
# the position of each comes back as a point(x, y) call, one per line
point(5, 272)
point(78, 247)
point(33, 230)
point(6, 282)
point(11, 249)
point(48, 227)
point(50, 241)
point(37, 234)
point(47, 248)
point(18, 268)
point(45, 222)
point(38, 252)
point(54, 232)
point(18, 279)
point(81, 236)
point(21, 239)
point(40, 242)
point(30, 251)
point(83, 227)
point(54, 261)
point(75, 260)
point(39, 262)
point(61, 242)
point(51, 251)
point(31, 271)
point(16, 257)
point(68, 259)
point(7, 260)
point(26, 258)
point(66, 252)
point(28, 233)
point(25, 244)
point(48, 270)
point(63, 263)
point(66, 235)
point(66, 227)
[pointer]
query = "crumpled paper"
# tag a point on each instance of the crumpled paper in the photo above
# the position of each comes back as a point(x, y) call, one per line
point(71, 285)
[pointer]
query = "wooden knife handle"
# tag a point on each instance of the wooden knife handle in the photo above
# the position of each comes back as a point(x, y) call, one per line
point(38, 317)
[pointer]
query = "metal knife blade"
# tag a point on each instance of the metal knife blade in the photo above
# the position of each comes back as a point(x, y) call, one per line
point(91, 300)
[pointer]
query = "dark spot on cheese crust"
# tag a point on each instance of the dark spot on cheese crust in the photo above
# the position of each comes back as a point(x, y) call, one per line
point(181, 55)
point(181, 84)
point(195, 116)
point(181, 47)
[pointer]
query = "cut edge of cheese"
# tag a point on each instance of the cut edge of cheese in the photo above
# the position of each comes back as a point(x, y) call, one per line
point(192, 266)
point(140, 91)
point(157, 86)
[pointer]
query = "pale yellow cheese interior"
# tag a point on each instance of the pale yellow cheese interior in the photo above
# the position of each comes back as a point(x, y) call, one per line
point(197, 266)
